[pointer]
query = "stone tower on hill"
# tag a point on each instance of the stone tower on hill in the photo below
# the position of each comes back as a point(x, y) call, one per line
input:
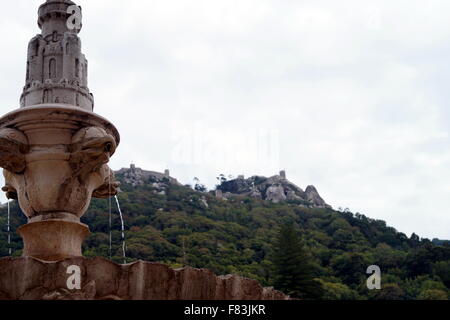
point(57, 70)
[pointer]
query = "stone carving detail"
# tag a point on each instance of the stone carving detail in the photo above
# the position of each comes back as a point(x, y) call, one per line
point(89, 174)
point(11, 192)
point(54, 149)
point(13, 147)
point(109, 187)
point(56, 54)
point(91, 149)
point(55, 160)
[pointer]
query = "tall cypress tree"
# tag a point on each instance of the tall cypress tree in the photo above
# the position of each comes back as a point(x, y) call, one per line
point(294, 273)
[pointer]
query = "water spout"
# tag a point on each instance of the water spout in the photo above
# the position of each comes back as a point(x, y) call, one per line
point(123, 230)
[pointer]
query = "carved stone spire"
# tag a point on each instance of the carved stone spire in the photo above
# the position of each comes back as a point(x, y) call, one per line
point(54, 150)
point(57, 70)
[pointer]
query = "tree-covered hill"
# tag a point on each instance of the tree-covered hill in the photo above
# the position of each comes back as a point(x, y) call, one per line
point(173, 224)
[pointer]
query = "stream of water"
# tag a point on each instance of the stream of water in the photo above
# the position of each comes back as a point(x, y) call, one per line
point(9, 228)
point(123, 230)
point(110, 229)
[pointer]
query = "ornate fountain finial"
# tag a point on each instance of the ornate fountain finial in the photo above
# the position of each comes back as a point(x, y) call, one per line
point(54, 150)
point(57, 70)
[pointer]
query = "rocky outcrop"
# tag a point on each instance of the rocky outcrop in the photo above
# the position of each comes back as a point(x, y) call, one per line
point(101, 279)
point(275, 189)
point(275, 193)
point(292, 196)
point(312, 195)
point(138, 177)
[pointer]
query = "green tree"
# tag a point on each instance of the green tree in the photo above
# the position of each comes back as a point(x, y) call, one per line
point(350, 267)
point(442, 269)
point(433, 294)
point(294, 273)
point(337, 291)
point(389, 291)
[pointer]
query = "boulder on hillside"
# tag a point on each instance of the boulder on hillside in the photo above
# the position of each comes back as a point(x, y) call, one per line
point(275, 193)
point(276, 189)
point(312, 195)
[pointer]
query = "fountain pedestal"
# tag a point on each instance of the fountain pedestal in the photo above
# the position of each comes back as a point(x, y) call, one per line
point(53, 240)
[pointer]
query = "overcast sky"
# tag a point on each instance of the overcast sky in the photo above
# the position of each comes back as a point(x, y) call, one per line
point(351, 96)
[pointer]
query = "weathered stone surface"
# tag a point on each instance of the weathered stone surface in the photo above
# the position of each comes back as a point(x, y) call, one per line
point(255, 193)
point(13, 147)
point(57, 70)
point(275, 193)
point(53, 240)
point(62, 165)
point(101, 279)
point(54, 149)
point(292, 196)
point(312, 195)
point(276, 189)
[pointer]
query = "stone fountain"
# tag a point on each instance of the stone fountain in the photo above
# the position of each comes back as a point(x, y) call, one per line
point(54, 150)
